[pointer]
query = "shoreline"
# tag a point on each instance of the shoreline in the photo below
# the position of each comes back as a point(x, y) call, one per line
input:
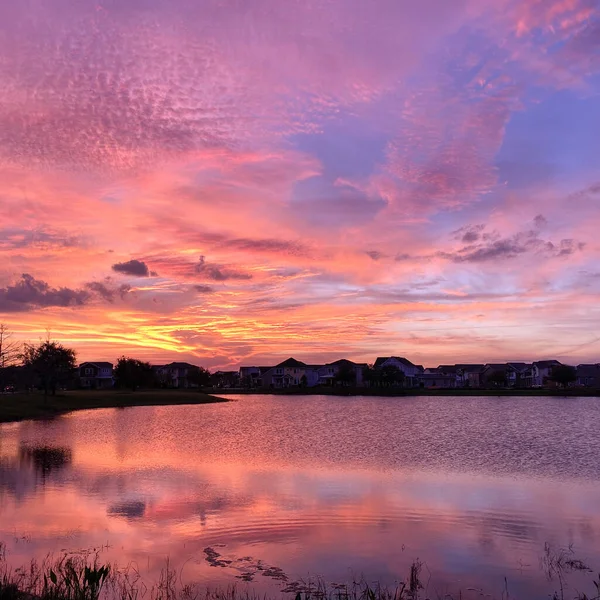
point(401, 393)
point(23, 406)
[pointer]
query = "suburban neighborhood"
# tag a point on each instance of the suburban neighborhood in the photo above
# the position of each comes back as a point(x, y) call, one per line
point(389, 371)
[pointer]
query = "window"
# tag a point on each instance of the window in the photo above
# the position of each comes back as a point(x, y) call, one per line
point(89, 371)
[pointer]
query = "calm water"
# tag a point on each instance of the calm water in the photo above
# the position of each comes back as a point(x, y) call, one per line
point(315, 486)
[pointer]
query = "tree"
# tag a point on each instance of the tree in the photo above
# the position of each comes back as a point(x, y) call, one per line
point(564, 375)
point(133, 373)
point(199, 376)
point(10, 351)
point(368, 375)
point(346, 375)
point(497, 378)
point(391, 375)
point(51, 363)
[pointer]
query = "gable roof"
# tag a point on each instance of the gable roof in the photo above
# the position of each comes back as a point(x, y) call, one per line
point(291, 362)
point(588, 370)
point(100, 365)
point(382, 359)
point(474, 368)
point(179, 365)
point(547, 363)
point(497, 366)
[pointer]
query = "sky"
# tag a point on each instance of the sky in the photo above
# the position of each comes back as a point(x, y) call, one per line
point(229, 182)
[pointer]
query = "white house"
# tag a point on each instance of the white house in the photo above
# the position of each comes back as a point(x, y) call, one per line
point(541, 371)
point(409, 369)
point(328, 373)
point(96, 375)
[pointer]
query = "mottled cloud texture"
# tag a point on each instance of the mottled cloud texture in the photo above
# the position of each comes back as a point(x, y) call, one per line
point(229, 182)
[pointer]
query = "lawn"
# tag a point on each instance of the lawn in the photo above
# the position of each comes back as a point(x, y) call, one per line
point(21, 406)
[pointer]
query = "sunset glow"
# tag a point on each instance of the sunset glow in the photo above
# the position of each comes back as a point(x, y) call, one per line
point(232, 183)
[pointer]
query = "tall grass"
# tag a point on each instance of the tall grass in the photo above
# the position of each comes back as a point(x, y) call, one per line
point(82, 577)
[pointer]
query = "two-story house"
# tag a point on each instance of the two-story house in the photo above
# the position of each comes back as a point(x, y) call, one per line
point(96, 375)
point(410, 370)
point(541, 372)
point(175, 374)
point(289, 373)
point(520, 375)
point(588, 376)
point(251, 377)
point(351, 371)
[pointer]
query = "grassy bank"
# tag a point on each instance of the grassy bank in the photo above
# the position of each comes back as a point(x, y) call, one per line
point(22, 406)
point(400, 392)
point(83, 577)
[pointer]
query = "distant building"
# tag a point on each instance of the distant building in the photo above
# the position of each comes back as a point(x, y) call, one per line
point(541, 372)
point(251, 377)
point(96, 375)
point(329, 373)
point(588, 376)
point(520, 375)
point(469, 374)
point(288, 373)
point(409, 369)
point(434, 378)
point(225, 379)
point(175, 374)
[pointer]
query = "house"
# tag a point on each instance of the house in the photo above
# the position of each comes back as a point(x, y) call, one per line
point(434, 378)
point(251, 377)
point(520, 375)
point(329, 373)
point(175, 374)
point(541, 372)
point(409, 369)
point(588, 375)
point(469, 375)
point(96, 375)
point(225, 379)
point(495, 375)
point(288, 373)
point(311, 372)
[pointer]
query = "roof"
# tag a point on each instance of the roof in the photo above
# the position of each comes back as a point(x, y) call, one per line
point(447, 368)
point(101, 364)
point(345, 361)
point(519, 366)
point(588, 370)
point(291, 362)
point(341, 361)
point(179, 365)
point(381, 359)
point(497, 366)
point(471, 368)
point(547, 363)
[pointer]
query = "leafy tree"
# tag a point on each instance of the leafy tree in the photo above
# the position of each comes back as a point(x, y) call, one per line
point(391, 375)
point(369, 375)
point(303, 380)
point(497, 378)
point(133, 373)
point(199, 376)
point(564, 375)
point(51, 363)
point(346, 375)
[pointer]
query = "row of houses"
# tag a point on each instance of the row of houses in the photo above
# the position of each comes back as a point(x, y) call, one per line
point(291, 373)
point(391, 370)
point(99, 375)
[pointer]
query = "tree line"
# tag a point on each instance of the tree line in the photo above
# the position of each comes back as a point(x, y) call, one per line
point(49, 365)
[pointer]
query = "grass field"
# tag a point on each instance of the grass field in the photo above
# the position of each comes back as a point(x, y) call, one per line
point(21, 406)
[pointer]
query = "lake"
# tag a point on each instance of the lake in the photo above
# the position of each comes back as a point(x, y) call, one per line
point(314, 487)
